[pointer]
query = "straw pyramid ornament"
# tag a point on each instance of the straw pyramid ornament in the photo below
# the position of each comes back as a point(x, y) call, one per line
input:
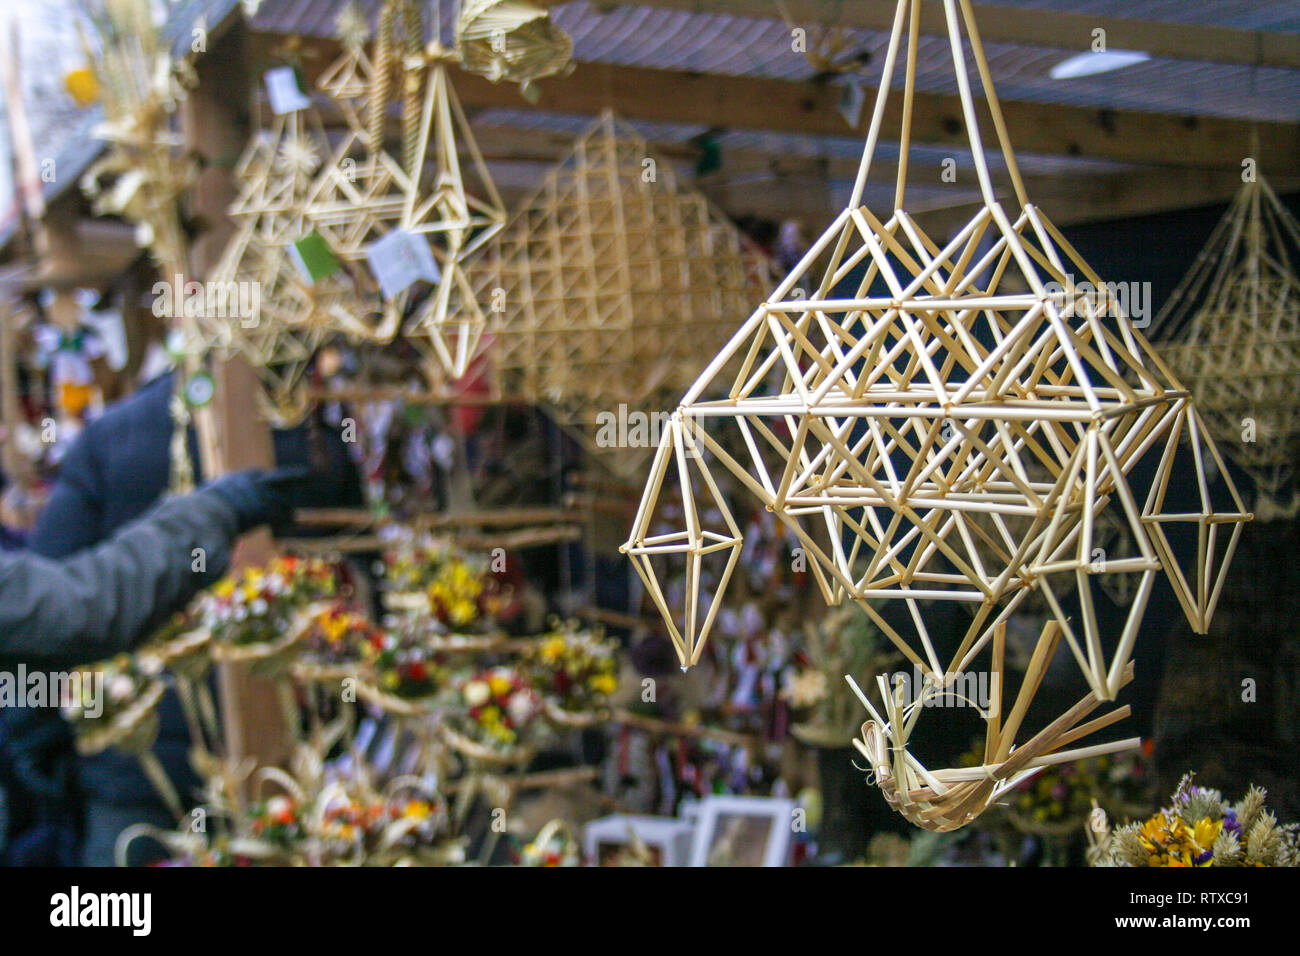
point(364, 193)
point(1234, 324)
point(610, 285)
point(940, 433)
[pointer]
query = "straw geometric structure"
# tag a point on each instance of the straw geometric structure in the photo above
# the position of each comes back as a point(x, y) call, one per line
point(1234, 330)
point(294, 315)
point(364, 193)
point(939, 434)
point(616, 283)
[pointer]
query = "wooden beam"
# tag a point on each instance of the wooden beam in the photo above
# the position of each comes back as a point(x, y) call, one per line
point(809, 109)
point(1053, 29)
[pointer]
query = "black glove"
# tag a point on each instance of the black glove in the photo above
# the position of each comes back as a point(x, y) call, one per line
point(264, 497)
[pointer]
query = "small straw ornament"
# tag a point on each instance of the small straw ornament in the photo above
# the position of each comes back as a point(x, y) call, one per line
point(939, 434)
point(948, 799)
point(292, 315)
point(511, 40)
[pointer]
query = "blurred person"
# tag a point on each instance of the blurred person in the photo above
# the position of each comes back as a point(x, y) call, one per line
point(117, 469)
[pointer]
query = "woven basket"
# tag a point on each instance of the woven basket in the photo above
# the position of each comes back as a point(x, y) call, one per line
point(473, 750)
point(133, 730)
point(573, 719)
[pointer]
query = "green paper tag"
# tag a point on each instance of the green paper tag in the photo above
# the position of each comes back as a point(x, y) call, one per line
point(314, 258)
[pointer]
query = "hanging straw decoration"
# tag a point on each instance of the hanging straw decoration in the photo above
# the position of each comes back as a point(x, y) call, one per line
point(949, 799)
point(141, 177)
point(511, 40)
point(293, 313)
point(610, 284)
point(1233, 331)
point(950, 437)
point(363, 193)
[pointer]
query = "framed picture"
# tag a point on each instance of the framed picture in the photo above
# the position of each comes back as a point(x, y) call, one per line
point(743, 831)
point(607, 841)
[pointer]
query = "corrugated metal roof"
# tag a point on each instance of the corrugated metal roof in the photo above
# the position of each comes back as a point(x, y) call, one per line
point(630, 35)
point(759, 46)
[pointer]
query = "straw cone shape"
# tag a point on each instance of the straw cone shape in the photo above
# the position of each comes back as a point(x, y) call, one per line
point(615, 283)
point(1234, 330)
point(950, 420)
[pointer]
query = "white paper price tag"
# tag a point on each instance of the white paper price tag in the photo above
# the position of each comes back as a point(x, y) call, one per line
point(283, 91)
point(400, 259)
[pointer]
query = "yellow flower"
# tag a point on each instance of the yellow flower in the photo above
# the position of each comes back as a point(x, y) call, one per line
point(463, 611)
point(334, 626)
point(603, 683)
point(224, 588)
point(490, 716)
point(553, 649)
point(499, 684)
point(391, 680)
point(1206, 832)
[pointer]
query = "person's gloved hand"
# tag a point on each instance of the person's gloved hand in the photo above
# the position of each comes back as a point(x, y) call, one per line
point(263, 497)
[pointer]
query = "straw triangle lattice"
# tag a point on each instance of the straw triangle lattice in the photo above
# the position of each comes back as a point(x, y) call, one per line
point(614, 283)
point(1233, 327)
point(364, 193)
point(948, 420)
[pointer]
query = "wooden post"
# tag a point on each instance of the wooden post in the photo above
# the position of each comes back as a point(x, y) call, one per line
point(216, 126)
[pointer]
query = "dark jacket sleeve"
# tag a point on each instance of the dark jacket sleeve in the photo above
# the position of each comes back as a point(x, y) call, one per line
point(103, 601)
point(73, 517)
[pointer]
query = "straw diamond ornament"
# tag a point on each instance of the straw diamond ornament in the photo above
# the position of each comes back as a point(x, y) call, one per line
point(364, 193)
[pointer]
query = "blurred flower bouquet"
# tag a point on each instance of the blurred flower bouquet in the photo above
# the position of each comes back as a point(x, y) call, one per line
point(115, 705)
point(278, 821)
point(340, 636)
point(495, 711)
point(553, 846)
point(574, 671)
point(258, 612)
point(404, 665)
point(1200, 828)
point(426, 576)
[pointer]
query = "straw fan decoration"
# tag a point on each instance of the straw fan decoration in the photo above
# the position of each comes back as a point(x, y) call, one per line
point(410, 213)
point(615, 282)
point(1233, 330)
point(938, 434)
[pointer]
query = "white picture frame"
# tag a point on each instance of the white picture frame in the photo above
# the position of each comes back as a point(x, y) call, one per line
point(760, 827)
point(669, 837)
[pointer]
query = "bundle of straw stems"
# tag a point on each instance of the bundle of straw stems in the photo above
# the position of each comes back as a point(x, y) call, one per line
point(945, 800)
